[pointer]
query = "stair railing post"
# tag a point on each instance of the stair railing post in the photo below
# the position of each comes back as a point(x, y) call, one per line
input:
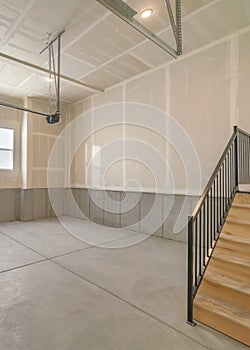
point(190, 272)
point(236, 157)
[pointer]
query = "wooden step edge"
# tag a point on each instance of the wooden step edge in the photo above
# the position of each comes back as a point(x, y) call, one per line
point(231, 270)
point(238, 222)
point(217, 279)
point(234, 239)
point(240, 206)
point(225, 310)
point(242, 197)
point(233, 248)
point(241, 261)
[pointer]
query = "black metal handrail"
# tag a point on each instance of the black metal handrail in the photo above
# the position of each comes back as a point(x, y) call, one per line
point(210, 213)
point(244, 158)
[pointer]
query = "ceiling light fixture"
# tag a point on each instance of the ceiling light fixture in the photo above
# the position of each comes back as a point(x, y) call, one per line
point(146, 13)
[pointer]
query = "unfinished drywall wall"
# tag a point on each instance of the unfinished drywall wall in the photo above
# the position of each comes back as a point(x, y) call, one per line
point(38, 139)
point(12, 118)
point(243, 96)
point(33, 142)
point(206, 93)
point(200, 102)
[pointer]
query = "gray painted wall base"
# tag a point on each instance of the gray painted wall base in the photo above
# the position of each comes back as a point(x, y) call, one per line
point(127, 210)
point(94, 204)
point(28, 204)
point(9, 205)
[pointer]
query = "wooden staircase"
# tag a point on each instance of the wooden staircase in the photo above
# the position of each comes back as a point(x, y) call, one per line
point(223, 298)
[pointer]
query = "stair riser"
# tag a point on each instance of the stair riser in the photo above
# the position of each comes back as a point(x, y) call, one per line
point(226, 326)
point(241, 206)
point(237, 229)
point(239, 214)
point(234, 247)
point(242, 198)
point(223, 298)
point(236, 238)
point(231, 269)
point(225, 294)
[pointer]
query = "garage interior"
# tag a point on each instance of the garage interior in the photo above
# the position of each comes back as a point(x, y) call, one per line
point(124, 174)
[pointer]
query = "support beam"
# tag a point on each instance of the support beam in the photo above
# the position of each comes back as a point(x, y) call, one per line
point(126, 13)
point(23, 109)
point(52, 41)
point(51, 118)
point(44, 70)
point(176, 24)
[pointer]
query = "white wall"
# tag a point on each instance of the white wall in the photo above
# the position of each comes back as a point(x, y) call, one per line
point(38, 140)
point(34, 139)
point(11, 118)
point(243, 95)
point(206, 92)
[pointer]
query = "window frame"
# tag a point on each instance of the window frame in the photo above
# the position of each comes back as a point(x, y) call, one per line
point(9, 149)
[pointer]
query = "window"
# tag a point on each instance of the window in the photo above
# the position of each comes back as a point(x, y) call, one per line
point(6, 148)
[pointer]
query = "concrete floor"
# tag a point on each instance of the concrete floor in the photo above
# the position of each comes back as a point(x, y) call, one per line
point(59, 293)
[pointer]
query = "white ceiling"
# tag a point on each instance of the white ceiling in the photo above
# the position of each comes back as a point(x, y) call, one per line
point(98, 48)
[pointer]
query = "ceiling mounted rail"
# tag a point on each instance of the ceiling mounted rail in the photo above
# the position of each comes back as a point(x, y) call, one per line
point(44, 70)
point(51, 118)
point(51, 42)
point(55, 71)
point(127, 13)
point(24, 109)
point(54, 117)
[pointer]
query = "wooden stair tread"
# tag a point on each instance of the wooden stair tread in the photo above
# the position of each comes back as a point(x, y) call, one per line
point(223, 298)
point(225, 310)
point(241, 206)
point(227, 256)
point(236, 228)
point(237, 221)
point(242, 198)
point(235, 239)
point(233, 247)
point(216, 277)
point(239, 213)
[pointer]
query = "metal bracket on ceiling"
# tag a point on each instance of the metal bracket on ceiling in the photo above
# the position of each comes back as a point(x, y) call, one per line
point(51, 42)
point(127, 13)
point(176, 24)
point(54, 118)
point(24, 109)
point(34, 67)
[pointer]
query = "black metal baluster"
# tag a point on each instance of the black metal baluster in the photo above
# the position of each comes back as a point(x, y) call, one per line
point(190, 270)
point(227, 172)
point(214, 208)
point(231, 173)
point(211, 218)
point(240, 159)
point(204, 234)
point(220, 184)
point(248, 157)
point(195, 255)
point(243, 159)
point(236, 165)
point(218, 216)
point(210, 213)
point(208, 227)
point(223, 191)
point(200, 241)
